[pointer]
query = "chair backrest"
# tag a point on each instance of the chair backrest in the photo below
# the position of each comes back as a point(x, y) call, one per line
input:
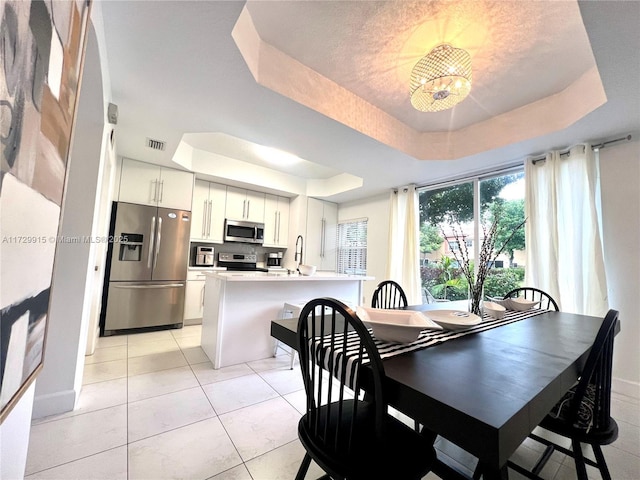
point(535, 294)
point(327, 329)
point(595, 379)
point(388, 294)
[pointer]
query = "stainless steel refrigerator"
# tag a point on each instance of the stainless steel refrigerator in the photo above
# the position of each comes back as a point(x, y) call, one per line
point(146, 267)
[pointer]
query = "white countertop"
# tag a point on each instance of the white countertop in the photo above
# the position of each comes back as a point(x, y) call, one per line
point(283, 277)
point(207, 269)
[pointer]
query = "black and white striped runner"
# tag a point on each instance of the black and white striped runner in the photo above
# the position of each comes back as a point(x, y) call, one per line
point(340, 360)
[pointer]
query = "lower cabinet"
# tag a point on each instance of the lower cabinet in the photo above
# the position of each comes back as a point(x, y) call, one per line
point(194, 298)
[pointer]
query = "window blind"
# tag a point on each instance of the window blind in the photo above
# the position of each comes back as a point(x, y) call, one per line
point(352, 247)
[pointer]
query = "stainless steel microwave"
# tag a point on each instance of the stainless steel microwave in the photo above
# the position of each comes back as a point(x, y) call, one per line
point(241, 231)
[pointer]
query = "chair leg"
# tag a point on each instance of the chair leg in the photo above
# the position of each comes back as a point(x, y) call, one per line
point(304, 466)
point(537, 468)
point(581, 467)
point(602, 465)
point(477, 473)
point(293, 358)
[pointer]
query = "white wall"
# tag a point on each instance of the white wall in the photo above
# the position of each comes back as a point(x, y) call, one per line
point(14, 438)
point(619, 177)
point(59, 383)
point(376, 209)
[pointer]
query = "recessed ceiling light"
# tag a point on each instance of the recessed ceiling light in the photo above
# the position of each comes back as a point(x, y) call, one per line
point(275, 156)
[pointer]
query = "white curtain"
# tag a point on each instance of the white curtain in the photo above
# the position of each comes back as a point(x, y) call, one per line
point(404, 243)
point(564, 247)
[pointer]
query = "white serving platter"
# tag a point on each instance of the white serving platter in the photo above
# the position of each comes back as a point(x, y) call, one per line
point(397, 326)
point(453, 319)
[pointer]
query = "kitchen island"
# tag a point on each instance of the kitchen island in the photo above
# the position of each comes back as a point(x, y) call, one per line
point(239, 307)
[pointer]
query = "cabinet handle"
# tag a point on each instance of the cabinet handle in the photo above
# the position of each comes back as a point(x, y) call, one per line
point(248, 207)
point(161, 191)
point(204, 217)
point(151, 240)
point(275, 230)
point(209, 222)
point(322, 239)
point(244, 209)
point(202, 294)
point(155, 190)
point(278, 228)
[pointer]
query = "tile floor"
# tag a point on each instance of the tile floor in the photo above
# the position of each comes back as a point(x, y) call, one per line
point(152, 407)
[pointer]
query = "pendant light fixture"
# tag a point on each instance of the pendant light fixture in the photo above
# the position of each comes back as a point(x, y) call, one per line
point(441, 79)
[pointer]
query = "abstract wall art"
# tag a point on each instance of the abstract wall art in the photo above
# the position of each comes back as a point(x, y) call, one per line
point(42, 44)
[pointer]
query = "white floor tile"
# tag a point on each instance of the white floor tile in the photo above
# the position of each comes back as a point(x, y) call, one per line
point(166, 412)
point(272, 363)
point(160, 346)
point(101, 372)
point(149, 337)
point(108, 465)
point(156, 362)
point(284, 380)
point(188, 342)
point(282, 463)
point(625, 411)
point(106, 354)
point(527, 458)
point(159, 383)
point(260, 428)
point(195, 355)
point(54, 443)
point(236, 473)
point(206, 373)
point(187, 331)
point(238, 393)
point(112, 341)
point(197, 451)
point(95, 396)
point(628, 439)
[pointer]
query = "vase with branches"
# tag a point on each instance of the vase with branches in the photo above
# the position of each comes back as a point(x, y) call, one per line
point(488, 255)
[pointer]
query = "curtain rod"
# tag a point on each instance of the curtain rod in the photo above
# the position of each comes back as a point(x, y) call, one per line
point(593, 147)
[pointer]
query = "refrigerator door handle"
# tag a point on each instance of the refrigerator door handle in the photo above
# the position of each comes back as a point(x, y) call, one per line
point(151, 239)
point(138, 287)
point(155, 258)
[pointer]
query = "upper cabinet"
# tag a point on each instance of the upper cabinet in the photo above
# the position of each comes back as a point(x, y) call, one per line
point(245, 205)
point(276, 221)
point(208, 211)
point(148, 184)
point(321, 239)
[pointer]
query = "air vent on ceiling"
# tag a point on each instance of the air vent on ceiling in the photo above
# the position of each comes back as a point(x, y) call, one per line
point(156, 144)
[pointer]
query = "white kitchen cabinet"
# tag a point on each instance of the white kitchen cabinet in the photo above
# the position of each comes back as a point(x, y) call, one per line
point(147, 184)
point(194, 297)
point(276, 221)
point(245, 205)
point(208, 211)
point(320, 242)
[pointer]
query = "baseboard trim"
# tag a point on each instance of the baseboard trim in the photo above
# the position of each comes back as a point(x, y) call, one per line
point(625, 387)
point(53, 403)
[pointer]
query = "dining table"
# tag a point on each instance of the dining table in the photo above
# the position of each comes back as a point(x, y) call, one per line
point(487, 390)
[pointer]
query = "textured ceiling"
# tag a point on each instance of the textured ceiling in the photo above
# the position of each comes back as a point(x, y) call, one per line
point(175, 69)
point(521, 51)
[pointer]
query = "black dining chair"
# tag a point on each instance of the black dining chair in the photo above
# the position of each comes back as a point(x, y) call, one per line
point(535, 294)
point(347, 433)
point(389, 294)
point(584, 412)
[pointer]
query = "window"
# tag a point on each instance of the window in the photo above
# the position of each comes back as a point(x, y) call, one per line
point(352, 247)
point(466, 206)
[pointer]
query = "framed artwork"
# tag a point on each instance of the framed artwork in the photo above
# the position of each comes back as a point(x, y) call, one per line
point(42, 44)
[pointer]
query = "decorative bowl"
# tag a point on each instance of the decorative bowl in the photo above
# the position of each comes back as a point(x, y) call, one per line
point(494, 310)
point(395, 326)
point(522, 304)
point(454, 319)
point(307, 270)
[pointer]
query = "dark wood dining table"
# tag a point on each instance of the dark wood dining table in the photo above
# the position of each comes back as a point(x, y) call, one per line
point(486, 391)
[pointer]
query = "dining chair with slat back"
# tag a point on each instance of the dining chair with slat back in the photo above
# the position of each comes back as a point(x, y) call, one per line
point(349, 434)
point(389, 294)
point(584, 412)
point(530, 293)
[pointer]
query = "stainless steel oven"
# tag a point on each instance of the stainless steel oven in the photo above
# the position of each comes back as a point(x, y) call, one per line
point(240, 231)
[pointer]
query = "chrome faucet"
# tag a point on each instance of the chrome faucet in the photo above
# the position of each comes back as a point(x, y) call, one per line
point(298, 255)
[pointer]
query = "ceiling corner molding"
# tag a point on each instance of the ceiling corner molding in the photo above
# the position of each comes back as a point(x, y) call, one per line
point(285, 75)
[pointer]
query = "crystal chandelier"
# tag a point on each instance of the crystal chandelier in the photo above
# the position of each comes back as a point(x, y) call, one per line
point(441, 79)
